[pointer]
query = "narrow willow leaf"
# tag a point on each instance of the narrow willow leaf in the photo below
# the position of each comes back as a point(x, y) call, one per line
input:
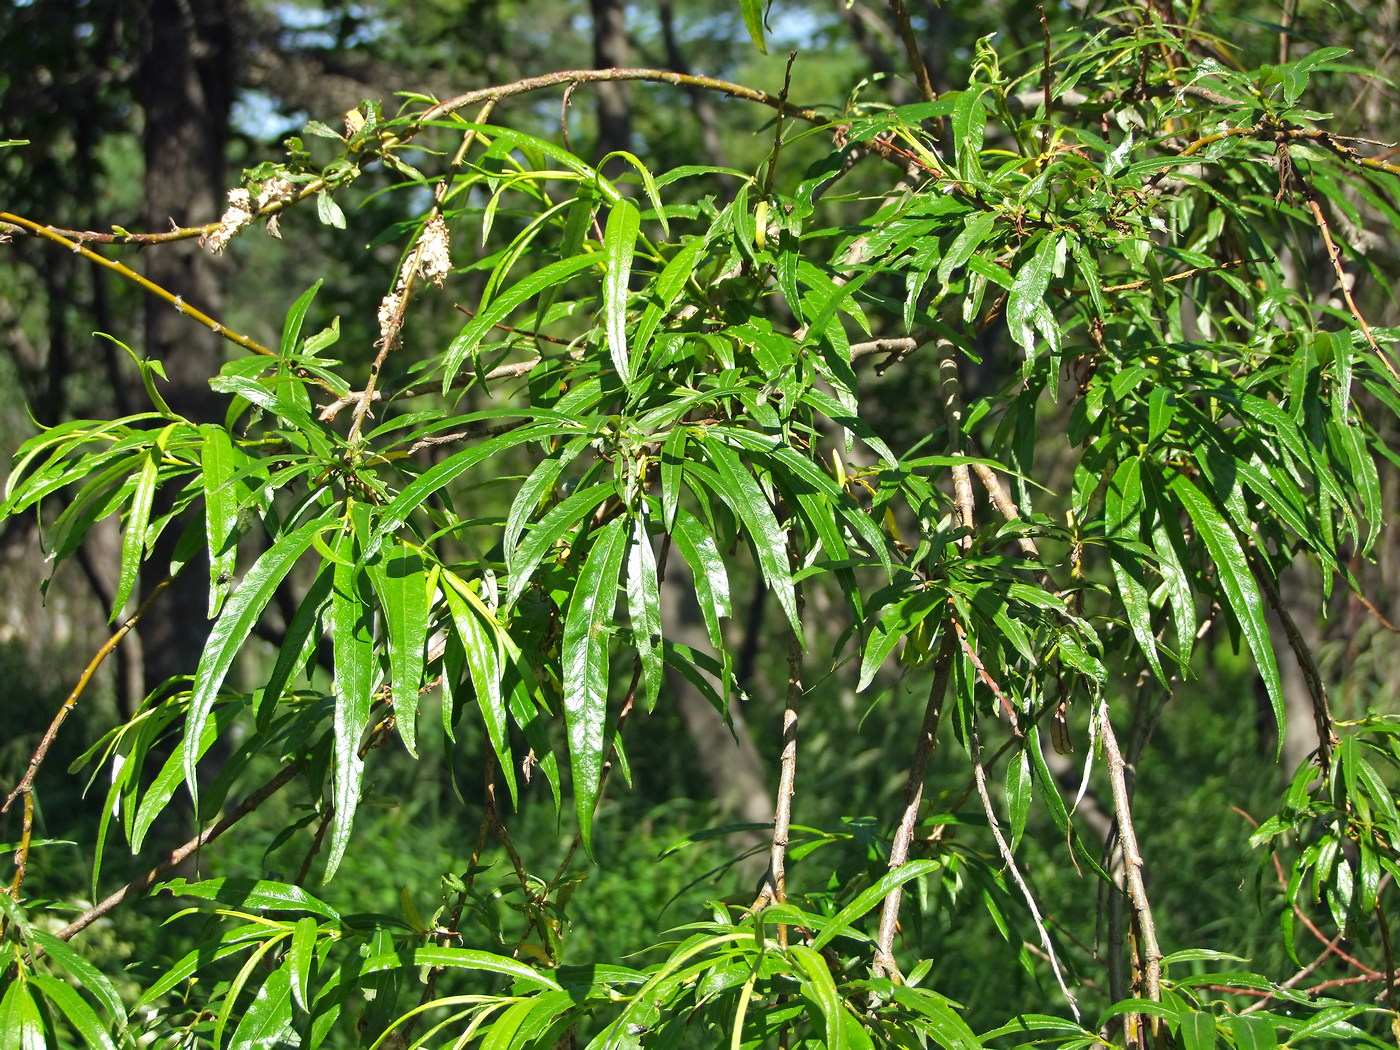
point(79, 1012)
point(220, 511)
point(21, 1026)
point(977, 227)
point(822, 988)
point(619, 243)
point(291, 327)
point(1241, 592)
point(500, 308)
point(484, 665)
point(267, 1021)
point(698, 549)
point(242, 611)
point(1123, 505)
point(1018, 793)
point(255, 894)
point(536, 487)
point(400, 584)
point(352, 639)
point(870, 898)
point(564, 516)
point(587, 632)
point(742, 493)
point(672, 469)
point(301, 956)
point(134, 535)
point(1028, 290)
point(92, 980)
point(396, 513)
point(468, 959)
point(644, 609)
point(753, 22)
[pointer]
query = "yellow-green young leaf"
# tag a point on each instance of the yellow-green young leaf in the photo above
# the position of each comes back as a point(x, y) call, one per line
point(134, 536)
point(753, 22)
point(242, 611)
point(619, 244)
point(644, 609)
point(400, 583)
point(267, 1022)
point(352, 641)
point(21, 1026)
point(587, 632)
point(741, 492)
point(1241, 592)
point(822, 989)
point(77, 1009)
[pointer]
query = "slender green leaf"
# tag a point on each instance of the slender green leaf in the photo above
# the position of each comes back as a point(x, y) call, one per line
point(1241, 592)
point(241, 612)
point(644, 609)
point(587, 632)
point(267, 1021)
point(753, 22)
point(400, 584)
point(352, 639)
point(619, 243)
point(77, 1009)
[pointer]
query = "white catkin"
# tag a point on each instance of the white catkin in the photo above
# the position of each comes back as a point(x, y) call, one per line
point(238, 215)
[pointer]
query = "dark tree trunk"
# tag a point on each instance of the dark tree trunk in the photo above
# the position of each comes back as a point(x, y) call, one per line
point(614, 98)
point(185, 86)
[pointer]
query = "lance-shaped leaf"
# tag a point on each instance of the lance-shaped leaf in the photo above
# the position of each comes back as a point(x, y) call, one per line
point(741, 492)
point(644, 608)
point(400, 584)
point(1240, 591)
point(242, 611)
point(76, 1009)
point(698, 549)
point(138, 517)
point(753, 22)
point(216, 461)
point(352, 640)
point(560, 519)
point(1123, 512)
point(476, 634)
point(587, 632)
point(267, 1021)
point(619, 244)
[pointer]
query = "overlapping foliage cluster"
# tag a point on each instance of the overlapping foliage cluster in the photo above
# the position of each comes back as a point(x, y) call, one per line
point(1149, 406)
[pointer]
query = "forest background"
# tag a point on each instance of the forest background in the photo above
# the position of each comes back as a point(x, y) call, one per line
point(139, 117)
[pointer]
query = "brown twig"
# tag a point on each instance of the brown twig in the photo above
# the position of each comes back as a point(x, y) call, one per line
point(884, 964)
point(177, 856)
point(1149, 961)
point(912, 51)
point(1335, 256)
point(775, 881)
point(26, 785)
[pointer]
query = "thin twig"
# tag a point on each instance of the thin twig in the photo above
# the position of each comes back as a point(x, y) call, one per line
point(952, 415)
point(1334, 254)
point(775, 882)
point(26, 784)
point(1150, 963)
point(912, 51)
point(177, 856)
point(884, 964)
point(980, 776)
point(144, 282)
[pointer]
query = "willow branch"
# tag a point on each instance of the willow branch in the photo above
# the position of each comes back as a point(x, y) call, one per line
point(884, 964)
point(1151, 954)
point(146, 283)
point(178, 855)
